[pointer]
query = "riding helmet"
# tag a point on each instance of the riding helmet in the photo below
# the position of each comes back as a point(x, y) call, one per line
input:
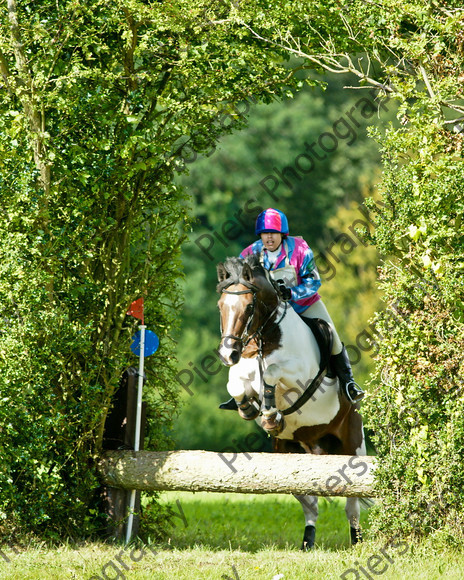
point(271, 220)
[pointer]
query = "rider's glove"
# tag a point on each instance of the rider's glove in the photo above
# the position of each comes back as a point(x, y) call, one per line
point(285, 292)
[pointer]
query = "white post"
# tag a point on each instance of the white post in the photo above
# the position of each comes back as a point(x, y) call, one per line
point(138, 421)
point(138, 418)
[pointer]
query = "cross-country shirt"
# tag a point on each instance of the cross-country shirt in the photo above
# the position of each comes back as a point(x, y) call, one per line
point(304, 294)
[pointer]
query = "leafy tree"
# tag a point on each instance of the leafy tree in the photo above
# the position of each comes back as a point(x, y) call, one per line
point(100, 105)
point(417, 387)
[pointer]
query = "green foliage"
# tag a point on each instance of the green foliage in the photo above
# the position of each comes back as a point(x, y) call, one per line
point(418, 383)
point(417, 393)
point(100, 105)
point(412, 52)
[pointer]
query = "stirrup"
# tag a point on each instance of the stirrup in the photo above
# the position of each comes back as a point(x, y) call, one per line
point(353, 392)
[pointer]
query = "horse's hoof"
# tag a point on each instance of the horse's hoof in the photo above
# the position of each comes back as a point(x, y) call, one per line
point(356, 535)
point(248, 416)
point(308, 538)
point(273, 424)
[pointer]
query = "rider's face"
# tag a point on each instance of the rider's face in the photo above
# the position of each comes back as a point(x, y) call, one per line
point(271, 240)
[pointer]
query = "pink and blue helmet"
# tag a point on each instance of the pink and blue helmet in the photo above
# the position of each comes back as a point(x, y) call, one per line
point(271, 220)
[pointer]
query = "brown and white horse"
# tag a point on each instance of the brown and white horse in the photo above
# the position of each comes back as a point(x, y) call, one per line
point(273, 356)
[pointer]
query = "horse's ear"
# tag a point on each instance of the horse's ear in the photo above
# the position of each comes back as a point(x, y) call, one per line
point(247, 273)
point(222, 273)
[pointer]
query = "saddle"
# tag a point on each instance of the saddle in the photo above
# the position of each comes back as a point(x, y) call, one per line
point(324, 338)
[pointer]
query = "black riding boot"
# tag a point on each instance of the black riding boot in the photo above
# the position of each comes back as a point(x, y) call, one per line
point(342, 368)
point(230, 405)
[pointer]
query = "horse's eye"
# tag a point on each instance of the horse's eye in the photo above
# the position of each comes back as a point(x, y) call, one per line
point(249, 308)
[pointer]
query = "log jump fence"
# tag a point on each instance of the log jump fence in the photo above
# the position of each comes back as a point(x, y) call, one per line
point(122, 469)
point(260, 473)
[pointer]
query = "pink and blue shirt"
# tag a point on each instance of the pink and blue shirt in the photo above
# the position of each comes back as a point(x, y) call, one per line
point(300, 255)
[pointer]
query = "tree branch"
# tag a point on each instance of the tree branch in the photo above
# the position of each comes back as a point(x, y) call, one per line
point(426, 81)
point(330, 63)
point(26, 91)
point(5, 71)
point(56, 56)
point(458, 108)
point(453, 121)
point(131, 45)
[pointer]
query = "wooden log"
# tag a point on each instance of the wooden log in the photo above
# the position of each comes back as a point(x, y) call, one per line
point(325, 475)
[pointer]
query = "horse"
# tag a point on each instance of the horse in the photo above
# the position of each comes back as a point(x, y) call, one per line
point(274, 362)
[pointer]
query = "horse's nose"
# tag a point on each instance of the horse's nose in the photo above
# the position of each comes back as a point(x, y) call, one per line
point(235, 356)
point(229, 353)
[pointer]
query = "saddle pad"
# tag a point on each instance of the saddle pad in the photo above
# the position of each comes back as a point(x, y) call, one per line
point(323, 335)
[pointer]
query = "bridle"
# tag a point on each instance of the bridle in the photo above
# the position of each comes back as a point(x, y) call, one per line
point(246, 338)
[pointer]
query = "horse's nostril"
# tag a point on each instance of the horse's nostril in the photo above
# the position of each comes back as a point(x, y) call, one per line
point(235, 356)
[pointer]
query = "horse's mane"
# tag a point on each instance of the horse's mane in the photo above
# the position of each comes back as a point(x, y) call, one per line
point(234, 267)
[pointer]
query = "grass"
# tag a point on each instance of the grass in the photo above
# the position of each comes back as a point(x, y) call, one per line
point(241, 537)
point(251, 523)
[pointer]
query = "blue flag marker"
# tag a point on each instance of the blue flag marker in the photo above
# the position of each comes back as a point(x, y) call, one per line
point(151, 343)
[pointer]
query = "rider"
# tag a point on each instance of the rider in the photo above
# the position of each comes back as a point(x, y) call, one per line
point(290, 261)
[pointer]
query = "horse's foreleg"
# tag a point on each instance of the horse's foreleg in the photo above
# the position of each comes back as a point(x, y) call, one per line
point(243, 386)
point(309, 503)
point(272, 420)
point(248, 407)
